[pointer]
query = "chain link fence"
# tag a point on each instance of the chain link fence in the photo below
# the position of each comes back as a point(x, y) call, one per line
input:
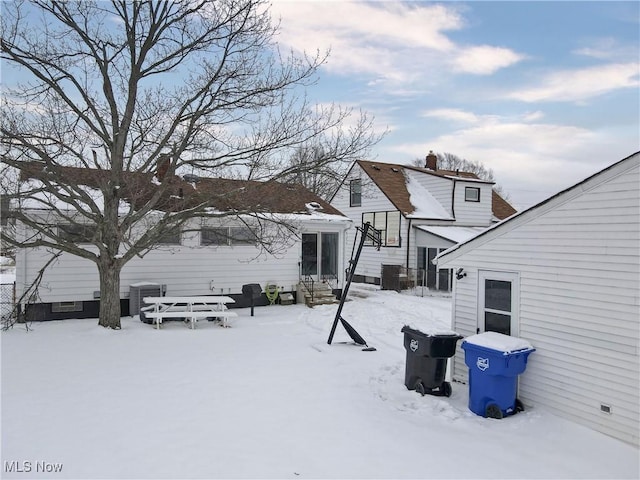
point(7, 300)
point(418, 280)
point(397, 277)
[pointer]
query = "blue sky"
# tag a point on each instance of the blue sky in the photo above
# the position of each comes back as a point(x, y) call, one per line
point(544, 93)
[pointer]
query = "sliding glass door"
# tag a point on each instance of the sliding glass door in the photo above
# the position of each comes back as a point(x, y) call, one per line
point(320, 255)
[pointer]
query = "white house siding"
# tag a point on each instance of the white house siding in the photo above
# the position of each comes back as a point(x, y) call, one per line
point(578, 259)
point(473, 213)
point(464, 320)
point(373, 200)
point(187, 269)
point(426, 239)
point(423, 239)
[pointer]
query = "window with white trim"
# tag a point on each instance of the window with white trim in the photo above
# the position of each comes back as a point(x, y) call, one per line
point(471, 194)
point(227, 236)
point(355, 193)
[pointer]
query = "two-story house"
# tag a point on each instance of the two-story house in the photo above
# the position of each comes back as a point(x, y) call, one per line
point(420, 212)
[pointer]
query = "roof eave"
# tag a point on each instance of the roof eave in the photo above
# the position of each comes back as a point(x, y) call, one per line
point(451, 254)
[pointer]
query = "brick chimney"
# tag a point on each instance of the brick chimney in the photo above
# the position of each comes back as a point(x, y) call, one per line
point(164, 162)
point(431, 162)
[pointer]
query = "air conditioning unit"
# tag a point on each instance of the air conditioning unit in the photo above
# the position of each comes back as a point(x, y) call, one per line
point(138, 291)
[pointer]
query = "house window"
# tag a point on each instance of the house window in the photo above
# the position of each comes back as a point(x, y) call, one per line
point(76, 232)
point(214, 236)
point(471, 194)
point(242, 236)
point(170, 238)
point(227, 236)
point(498, 302)
point(429, 275)
point(497, 306)
point(355, 189)
point(388, 223)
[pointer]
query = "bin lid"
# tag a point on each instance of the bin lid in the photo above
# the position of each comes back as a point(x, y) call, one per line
point(430, 331)
point(499, 341)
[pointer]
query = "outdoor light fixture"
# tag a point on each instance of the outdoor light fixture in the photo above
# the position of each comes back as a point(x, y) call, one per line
point(460, 274)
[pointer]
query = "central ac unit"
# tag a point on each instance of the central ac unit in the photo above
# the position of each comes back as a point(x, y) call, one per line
point(138, 291)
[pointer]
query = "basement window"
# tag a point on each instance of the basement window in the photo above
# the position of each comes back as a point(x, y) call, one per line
point(471, 194)
point(60, 307)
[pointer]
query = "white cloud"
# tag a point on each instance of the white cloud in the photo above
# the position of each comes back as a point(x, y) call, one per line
point(453, 114)
point(532, 116)
point(470, 118)
point(608, 49)
point(392, 41)
point(485, 59)
point(311, 24)
point(531, 161)
point(577, 85)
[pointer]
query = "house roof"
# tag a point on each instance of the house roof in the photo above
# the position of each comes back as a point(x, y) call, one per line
point(391, 179)
point(532, 212)
point(449, 232)
point(425, 205)
point(220, 194)
point(500, 207)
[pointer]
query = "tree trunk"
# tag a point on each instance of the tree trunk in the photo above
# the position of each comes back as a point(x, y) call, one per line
point(109, 294)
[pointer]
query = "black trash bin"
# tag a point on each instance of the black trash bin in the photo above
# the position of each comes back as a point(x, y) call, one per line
point(426, 364)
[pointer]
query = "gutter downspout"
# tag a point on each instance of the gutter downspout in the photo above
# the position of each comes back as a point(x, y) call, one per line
point(346, 227)
point(408, 241)
point(453, 200)
point(23, 258)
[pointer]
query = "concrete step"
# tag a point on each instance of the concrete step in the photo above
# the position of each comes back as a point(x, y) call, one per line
point(322, 294)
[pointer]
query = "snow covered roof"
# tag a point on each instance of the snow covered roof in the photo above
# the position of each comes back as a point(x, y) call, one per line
point(391, 179)
point(425, 205)
point(38, 198)
point(454, 234)
point(220, 194)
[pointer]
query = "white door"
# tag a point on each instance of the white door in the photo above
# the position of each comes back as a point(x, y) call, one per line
point(498, 302)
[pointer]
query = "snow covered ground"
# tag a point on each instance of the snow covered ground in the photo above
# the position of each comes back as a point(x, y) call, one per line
point(267, 398)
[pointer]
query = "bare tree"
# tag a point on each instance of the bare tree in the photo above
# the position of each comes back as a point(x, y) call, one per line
point(195, 86)
point(317, 170)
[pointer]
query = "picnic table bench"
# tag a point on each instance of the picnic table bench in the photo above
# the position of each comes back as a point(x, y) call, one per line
point(190, 308)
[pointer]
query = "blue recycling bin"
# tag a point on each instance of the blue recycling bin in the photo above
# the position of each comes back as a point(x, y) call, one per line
point(495, 361)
